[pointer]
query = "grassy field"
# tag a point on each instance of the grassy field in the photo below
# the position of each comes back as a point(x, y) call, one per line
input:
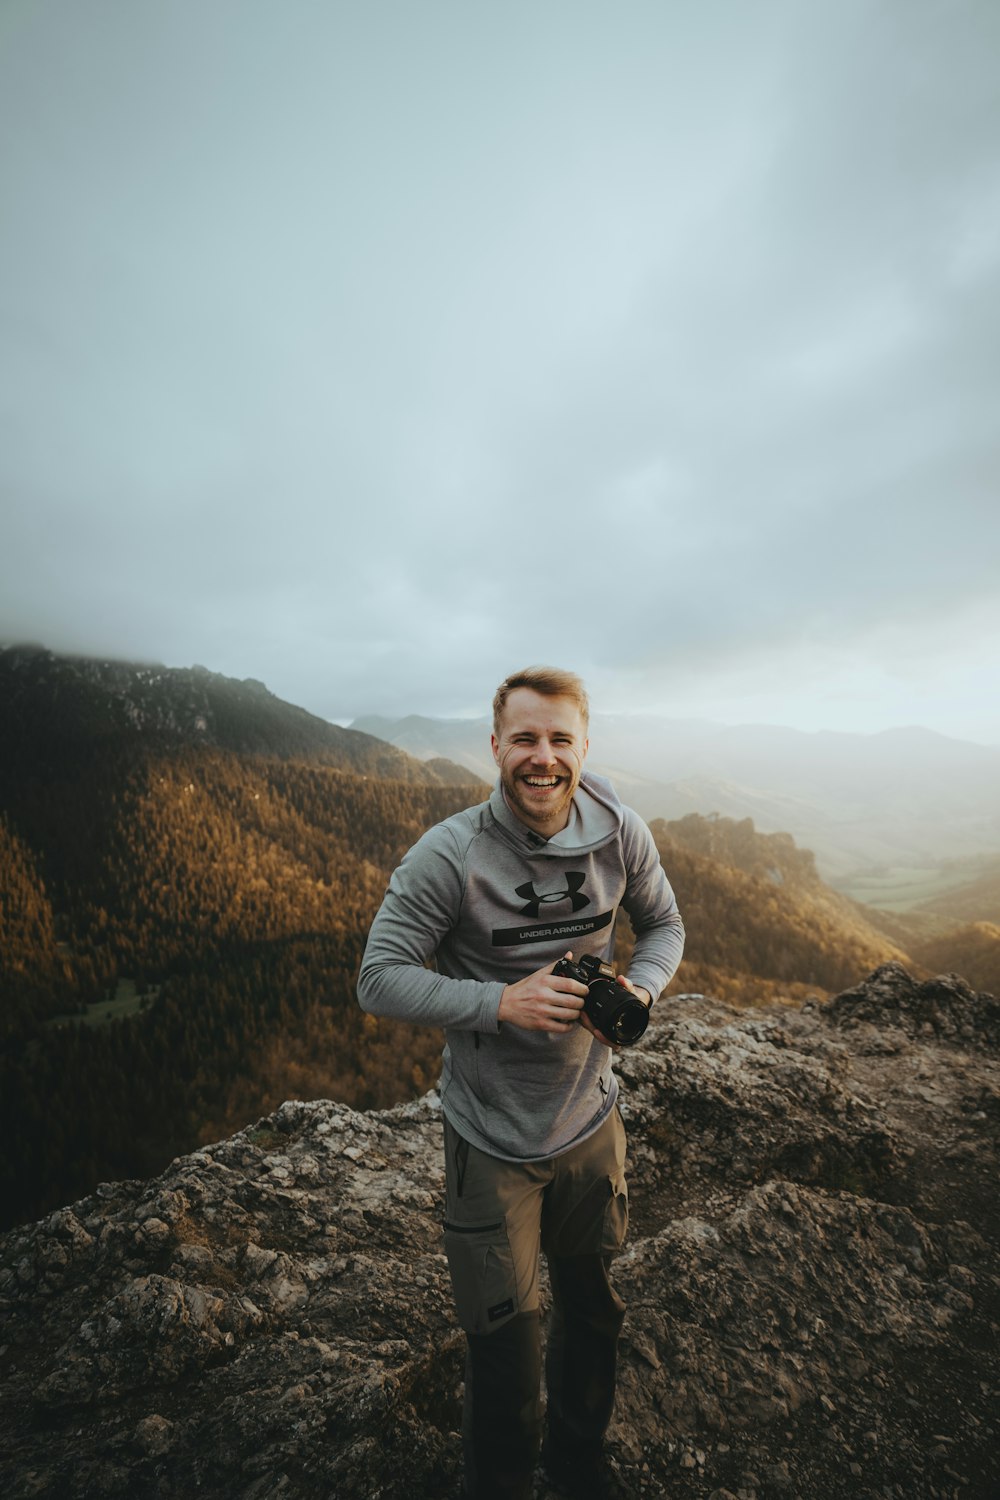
point(900, 888)
point(126, 1002)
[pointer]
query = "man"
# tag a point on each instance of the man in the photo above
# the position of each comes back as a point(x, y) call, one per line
point(534, 1143)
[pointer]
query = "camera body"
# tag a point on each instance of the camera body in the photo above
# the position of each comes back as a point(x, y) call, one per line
point(617, 1014)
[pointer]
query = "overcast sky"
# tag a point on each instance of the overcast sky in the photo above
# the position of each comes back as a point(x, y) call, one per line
point(378, 349)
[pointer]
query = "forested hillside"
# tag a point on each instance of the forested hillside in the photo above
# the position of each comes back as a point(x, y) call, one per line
point(228, 889)
point(236, 894)
point(972, 951)
point(760, 923)
point(216, 900)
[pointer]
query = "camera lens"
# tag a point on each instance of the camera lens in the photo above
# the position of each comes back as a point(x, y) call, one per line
point(617, 1014)
point(630, 1022)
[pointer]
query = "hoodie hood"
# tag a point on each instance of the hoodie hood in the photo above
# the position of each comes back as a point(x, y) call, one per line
point(595, 818)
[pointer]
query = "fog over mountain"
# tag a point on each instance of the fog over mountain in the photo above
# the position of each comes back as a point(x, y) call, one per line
point(903, 798)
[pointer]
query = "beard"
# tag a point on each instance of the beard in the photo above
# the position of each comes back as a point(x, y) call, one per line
point(549, 810)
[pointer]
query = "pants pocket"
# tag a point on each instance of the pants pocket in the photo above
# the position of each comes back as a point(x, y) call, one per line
point(615, 1224)
point(597, 1223)
point(482, 1274)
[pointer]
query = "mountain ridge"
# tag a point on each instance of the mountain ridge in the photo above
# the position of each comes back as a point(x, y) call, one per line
point(857, 801)
point(82, 697)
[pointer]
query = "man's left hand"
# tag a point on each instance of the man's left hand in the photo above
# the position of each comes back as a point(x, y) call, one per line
point(627, 984)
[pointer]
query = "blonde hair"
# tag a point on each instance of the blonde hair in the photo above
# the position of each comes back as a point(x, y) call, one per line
point(551, 682)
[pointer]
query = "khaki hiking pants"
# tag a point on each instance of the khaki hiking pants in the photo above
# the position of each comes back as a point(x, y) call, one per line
point(498, 1216)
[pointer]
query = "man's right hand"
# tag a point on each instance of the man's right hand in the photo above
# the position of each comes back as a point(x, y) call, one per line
point(543, 1001)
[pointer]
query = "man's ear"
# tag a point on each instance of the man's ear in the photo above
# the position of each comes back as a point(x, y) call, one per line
point(495, 747)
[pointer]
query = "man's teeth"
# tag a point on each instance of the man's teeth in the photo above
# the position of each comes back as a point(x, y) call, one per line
point(542, 780)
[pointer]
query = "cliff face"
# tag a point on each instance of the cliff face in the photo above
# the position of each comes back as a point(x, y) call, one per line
point(812, 1276)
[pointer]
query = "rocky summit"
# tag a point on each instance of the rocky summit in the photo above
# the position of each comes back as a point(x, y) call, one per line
point(812, 1276)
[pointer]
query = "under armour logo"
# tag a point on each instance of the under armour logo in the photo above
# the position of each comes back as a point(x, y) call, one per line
point(574, 880)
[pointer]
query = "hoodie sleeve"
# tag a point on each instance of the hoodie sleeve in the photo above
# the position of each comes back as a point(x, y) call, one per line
point(420, 908)
point(652, 910)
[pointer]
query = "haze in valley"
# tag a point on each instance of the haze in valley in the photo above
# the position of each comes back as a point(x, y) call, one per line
point(894, 818)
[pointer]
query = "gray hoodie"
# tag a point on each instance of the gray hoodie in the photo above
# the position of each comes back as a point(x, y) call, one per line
point(492, 901)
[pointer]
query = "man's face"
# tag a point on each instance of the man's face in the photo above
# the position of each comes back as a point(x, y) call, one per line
point(541, 748)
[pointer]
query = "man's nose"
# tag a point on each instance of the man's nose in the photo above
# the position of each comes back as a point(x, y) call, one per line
point(543, 752)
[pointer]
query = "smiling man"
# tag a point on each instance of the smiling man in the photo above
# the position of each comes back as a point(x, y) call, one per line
point(534, 1142)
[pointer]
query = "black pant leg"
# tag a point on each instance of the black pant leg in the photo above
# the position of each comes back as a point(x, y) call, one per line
point(582, 1356)
point(502, 1415)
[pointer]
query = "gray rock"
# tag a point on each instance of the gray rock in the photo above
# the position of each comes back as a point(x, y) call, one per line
point(812, 1280)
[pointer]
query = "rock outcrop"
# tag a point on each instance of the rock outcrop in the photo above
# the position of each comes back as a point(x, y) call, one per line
point(813, 1282)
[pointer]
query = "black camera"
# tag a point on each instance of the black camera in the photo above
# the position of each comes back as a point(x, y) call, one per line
point(619, 1015)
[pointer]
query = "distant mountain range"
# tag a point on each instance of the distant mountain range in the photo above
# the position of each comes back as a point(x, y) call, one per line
point(881, 803)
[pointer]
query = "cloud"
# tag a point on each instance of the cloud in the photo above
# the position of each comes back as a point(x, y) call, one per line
point(375, 353)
